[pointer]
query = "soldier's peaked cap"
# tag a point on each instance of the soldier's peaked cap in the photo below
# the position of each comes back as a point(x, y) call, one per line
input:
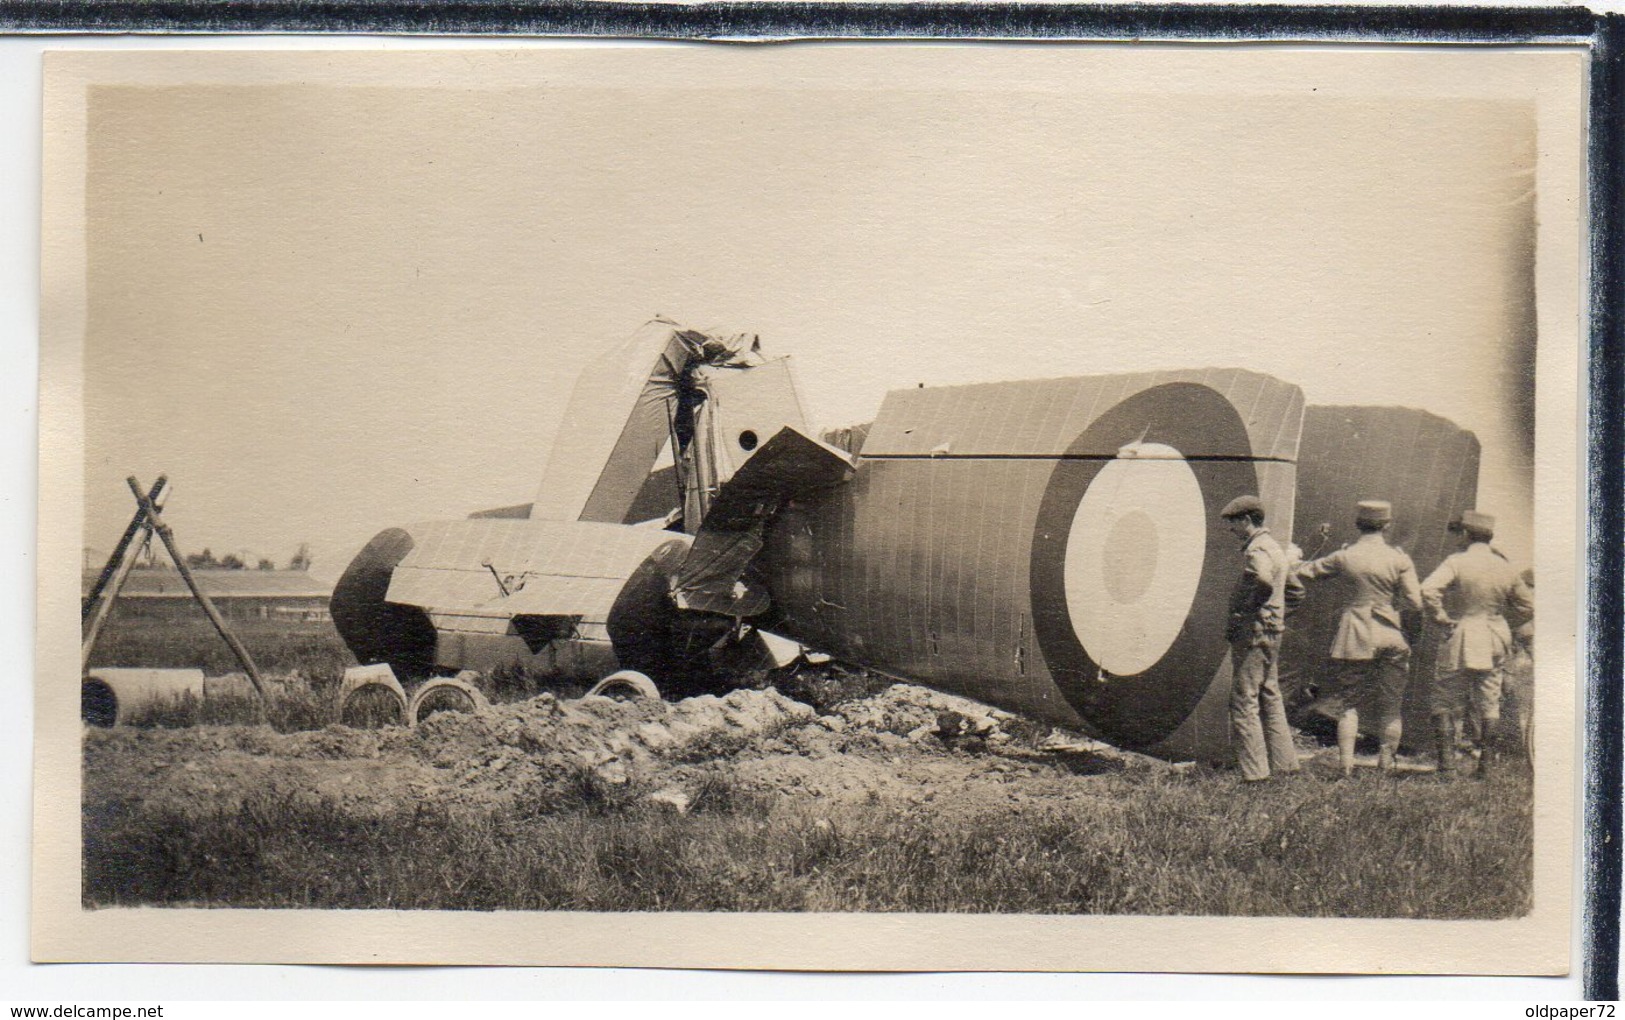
point(1473, 521)
point(1373, 511)
point(1242, 505)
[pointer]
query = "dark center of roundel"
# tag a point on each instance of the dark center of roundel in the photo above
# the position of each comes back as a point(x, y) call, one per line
point(1131, 568)
point(1131, 557)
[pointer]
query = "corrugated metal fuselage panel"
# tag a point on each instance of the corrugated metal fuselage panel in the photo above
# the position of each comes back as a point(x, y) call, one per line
point(1029, 567)
point(1047, 416)
point(917, 568)
point(1427, 467)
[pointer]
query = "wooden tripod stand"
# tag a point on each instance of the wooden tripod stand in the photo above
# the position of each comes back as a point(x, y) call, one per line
point(147, 521)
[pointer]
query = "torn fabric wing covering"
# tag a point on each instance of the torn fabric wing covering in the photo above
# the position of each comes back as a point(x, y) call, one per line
point(789, 465)
point(620, 416)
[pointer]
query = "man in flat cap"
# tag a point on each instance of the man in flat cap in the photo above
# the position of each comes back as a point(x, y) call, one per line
point(1258, 727)
point(1471, 594)
point(1370, 656)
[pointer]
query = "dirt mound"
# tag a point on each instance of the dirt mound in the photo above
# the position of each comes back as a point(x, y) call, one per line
point(544, 742)
point(904, 744)
point(907, 744)
point(538, 750)
point(919, 713)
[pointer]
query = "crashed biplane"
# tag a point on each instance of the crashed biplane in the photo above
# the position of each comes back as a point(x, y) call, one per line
point(1050, 547)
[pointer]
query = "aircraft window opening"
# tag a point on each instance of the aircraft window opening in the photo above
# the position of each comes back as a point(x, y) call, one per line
point(747, 440)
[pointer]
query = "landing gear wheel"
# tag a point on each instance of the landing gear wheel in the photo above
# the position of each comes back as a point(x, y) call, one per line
point(626, 685)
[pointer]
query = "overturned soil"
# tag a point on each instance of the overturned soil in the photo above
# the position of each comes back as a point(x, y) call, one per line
point(851, 795)
point(905, 744)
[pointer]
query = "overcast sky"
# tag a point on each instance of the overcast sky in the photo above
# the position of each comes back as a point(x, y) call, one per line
point(325, 310)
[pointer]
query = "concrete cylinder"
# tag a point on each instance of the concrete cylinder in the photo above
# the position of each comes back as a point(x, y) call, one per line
point(446, 694)
point(114, 697)
point(361, 685)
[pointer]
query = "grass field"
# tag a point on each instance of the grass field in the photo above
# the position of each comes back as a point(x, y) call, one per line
point(308, 660)
point(311, 650)
point(1187, 844)
point(1051, 840)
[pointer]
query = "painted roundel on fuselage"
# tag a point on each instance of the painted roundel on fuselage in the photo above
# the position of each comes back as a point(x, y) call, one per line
point(1131, 568)
point(1134, 558)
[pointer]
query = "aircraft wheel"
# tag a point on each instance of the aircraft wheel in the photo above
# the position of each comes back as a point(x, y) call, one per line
point(626, 685)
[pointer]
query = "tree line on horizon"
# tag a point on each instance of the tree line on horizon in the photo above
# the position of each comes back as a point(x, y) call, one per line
point(206, 560)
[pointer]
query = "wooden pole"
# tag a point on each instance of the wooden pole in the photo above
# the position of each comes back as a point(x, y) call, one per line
point(168, 539)
point(116, 562)
point(104, 603)
point(106, 591)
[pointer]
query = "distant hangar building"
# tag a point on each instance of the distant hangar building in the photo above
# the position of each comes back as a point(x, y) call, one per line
point(290, 596)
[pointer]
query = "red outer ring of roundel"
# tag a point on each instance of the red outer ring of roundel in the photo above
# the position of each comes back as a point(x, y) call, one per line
point(1140, 710)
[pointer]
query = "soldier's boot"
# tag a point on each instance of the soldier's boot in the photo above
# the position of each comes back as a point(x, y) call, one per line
point(1388, 753)
point(1444, 734)
point(1489, 752)
point(1348, 728)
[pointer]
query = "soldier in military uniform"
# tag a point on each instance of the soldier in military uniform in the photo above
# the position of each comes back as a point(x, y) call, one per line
point(1371, 657)
point(1518, 692)
point(1258, 726)
point(1471, 594)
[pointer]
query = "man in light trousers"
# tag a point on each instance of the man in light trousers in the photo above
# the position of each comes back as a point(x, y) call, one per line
point(1258, 727)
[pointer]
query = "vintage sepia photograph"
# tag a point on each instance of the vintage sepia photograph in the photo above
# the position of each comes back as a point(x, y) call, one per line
point(841, 506)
